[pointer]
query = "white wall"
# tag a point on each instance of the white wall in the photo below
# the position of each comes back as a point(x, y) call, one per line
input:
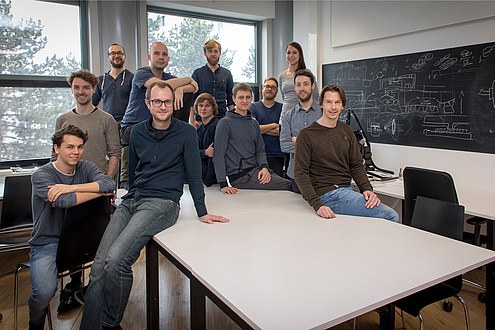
point(459, 27)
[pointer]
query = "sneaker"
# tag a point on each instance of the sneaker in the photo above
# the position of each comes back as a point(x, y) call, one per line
point(67, 301)
point(80, 294)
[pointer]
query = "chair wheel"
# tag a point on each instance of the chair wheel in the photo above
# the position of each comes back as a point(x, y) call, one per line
point(447, 306)
point(482, 297)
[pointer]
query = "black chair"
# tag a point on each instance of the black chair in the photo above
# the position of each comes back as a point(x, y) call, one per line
point(83, 228)
point(437, 185)
point(446, 219)
point(16, 223)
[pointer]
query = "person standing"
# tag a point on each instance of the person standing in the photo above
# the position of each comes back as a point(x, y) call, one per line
point(301, 115)
point(267, 113)
point(214, 80)
point(114, 88)
point(328, 158)
point(295, 59)
point(163, 155)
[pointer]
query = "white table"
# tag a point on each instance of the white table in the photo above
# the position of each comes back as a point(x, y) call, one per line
point(277, 265)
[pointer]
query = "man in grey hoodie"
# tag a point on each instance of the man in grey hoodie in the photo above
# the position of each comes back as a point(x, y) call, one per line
point(239, 155)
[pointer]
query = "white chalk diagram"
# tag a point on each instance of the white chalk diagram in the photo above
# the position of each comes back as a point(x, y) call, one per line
point(389, 109)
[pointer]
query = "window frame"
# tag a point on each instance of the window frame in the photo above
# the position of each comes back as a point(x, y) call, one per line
point(218, 18)
point(35, 81)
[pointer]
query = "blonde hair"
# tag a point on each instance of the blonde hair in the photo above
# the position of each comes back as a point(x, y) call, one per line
point(210, 44)
point(206, 97)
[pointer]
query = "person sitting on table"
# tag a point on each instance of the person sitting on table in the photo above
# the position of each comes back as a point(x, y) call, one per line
point(163, 155)
point(240, 150)
point(327, 157)
point(206, 107)
point(63, 183)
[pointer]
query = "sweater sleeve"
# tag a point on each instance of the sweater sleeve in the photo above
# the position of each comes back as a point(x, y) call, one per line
point(113, 138)
point(301, 171)
point(93, 174)
point(43, 178)
point(192, 164)
point(260, 148)
point(221, 141)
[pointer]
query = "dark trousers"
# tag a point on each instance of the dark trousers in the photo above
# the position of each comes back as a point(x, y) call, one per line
point(276, 164)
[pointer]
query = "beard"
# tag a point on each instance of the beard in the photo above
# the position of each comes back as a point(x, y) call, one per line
point(212, 61)
point(117, 65)
point(306, 99)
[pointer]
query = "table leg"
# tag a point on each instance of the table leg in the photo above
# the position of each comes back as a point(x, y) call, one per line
point(152, 289)
point(490, 279)
point(387, 320)
point(198, 304)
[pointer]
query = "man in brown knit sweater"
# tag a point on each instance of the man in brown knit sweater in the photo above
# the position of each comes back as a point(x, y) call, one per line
point(327, 157)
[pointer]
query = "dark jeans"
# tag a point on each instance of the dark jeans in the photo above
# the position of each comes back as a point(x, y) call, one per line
point(276, 164)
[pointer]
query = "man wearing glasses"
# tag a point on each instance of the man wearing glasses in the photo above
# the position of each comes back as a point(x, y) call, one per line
point(267, 113)
point(114, 87)
point(163, 155)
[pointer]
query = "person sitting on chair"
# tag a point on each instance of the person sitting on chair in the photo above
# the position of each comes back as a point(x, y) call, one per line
point(64, 183)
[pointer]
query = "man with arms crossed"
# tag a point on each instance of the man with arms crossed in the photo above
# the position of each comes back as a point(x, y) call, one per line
point(327, 157)
point(163, 155)
point(66, 182)
point(213, 79)
point(240, 151)
point(300, 116)
point(114, 88)
point(267, 113)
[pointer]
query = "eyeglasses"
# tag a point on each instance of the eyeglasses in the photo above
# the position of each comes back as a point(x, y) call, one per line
point(116, 53)
point(270, 87)
point(158, 103)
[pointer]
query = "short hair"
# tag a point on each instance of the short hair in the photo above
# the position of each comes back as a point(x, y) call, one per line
point(305, 73)
point(210, 44)
point(333, 88)
point(206, 97)
point(70, 129)
point(301, 65)
point(241, 87)
point(160, 84)
point(123, 49)
point(84, 75)
point(270, 78)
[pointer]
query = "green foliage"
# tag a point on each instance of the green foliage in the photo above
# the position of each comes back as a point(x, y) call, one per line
point(249, 70)
point(185, 44)
point(28, 115)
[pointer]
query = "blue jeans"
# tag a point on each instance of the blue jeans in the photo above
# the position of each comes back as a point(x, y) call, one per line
point(346, 200)
point(43, 273)
point(133, 224)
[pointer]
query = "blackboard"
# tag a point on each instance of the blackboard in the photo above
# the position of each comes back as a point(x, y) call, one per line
point(438, 99)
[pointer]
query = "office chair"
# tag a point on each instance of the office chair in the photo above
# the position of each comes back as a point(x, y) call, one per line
point(16, 223)
point(437, 185)
point(184, 112)
point(446, 219)
point(81, 233)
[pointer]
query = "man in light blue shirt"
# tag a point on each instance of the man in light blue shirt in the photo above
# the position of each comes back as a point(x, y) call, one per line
point(300, 116)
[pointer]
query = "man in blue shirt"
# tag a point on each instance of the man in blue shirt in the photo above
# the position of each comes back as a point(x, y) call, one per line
point(267, 113)
point(137, 111)
point(213, 79)
point(163, 155)
point(114, 87)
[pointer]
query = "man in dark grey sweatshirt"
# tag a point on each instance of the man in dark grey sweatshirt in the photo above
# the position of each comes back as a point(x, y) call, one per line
point(239, 155)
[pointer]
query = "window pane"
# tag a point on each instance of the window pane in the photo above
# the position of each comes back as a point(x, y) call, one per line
point(185, 37)
point(28, 118)
point(39, 38)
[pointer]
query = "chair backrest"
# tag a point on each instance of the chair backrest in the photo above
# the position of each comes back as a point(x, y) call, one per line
point(427, 183)
point(439, 217)
point(16, 204)
point(185, 110)
point(83, 228)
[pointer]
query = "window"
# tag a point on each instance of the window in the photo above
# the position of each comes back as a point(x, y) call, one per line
point(185, 34)
point(40, 44)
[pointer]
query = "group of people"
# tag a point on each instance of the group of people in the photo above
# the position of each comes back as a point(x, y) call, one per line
point(229, 140)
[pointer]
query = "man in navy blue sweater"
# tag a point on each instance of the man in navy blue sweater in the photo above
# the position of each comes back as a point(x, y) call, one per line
point(163, 154)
